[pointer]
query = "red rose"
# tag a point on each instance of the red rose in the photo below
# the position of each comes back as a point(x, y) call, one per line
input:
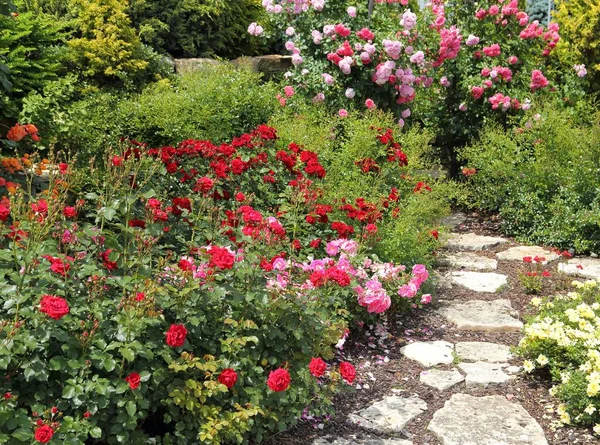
point(44, 434)
point(4, 213)
point(348, 372)
point(317, 367)
point(117, 161)
point(221, 258)
point(176, 335)
point(133, 379)
point(204, 184)
point(87, 415)
point(70, 212)
point(435, 234)
point(315, 243)
point(279, 380)
point(54, 307)
point(228, 377)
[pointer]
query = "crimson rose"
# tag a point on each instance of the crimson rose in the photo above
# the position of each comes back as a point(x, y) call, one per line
point(176, 335)
point(279, 380)
point(228, 377)
point(54, 307)
point(44, 434)
point(317, 367)
point(133, 379)
point(348, 372)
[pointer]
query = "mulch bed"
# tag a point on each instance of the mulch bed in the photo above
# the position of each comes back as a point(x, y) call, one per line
point(400, 375)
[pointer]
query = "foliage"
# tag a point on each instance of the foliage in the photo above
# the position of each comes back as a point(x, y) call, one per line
point(580, 24)
point(538, 10)
point(107, 46)
point(206, 28)
point(347, 145)
point(30, 45)
point(131, 296)
point(542, 177)
point(562, 339)
point(216, 103)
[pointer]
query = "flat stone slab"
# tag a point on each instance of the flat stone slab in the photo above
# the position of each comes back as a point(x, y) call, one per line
point(517, 254)
point(479, 281)
point(484, 316)
point(582, 267)
point(364, 441)
point(483, 374)
point(490, 420)
point(468, 260)
point(470, 241)
point(454, 220)
point(429, 353)
point(478, 351)
point(391, 414)
point(441, 380)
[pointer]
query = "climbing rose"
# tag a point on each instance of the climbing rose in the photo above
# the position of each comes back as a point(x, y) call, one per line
point(538, 80)
point(348, 372)
point(279, 380)
point(133, 379)
point(317, 367)
point(176, 335)
point(221, 258)
point(228, 377)
point(44, 434)
point(54, 307)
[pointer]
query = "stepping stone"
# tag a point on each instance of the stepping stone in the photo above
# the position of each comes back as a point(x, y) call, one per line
point(491, 420)
point(429, 353)
point(479, 281)
point(589, 267)
point(477, 351)
point(469, 261)
point(483, 374)
point(454, 220)
point(479, 315)
point(470, 241)
point(391, 414)
point(365, 441)
point(517, 254)
point(441, 380)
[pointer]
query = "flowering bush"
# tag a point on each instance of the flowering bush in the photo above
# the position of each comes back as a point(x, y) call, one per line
point(532, 275)
point(195, 292)
point(562, 339)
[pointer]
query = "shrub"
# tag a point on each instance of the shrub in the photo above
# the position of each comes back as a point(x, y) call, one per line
point(357, 151)
point(542, 178)
point(30, 45)
point(561, 341)
point(107, 47)
point(131, 296)
point(538, 10)
point(197, 29)
point(580, 22)
point(216, 103)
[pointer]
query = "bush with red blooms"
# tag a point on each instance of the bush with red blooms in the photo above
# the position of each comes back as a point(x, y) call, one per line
point(203, 286)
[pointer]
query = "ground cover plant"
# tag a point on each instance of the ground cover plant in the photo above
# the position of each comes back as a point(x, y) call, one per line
point(194, 293)
point(561, 341)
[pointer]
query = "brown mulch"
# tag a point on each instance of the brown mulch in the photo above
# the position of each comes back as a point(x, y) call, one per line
point(400, 375)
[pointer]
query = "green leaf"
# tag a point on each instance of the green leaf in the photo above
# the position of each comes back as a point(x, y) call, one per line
point(68, 392)
point(96, 432)
point(127, 353)
point(130, 408)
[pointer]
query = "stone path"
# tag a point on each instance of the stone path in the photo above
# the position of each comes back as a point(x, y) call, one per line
point(460, 370)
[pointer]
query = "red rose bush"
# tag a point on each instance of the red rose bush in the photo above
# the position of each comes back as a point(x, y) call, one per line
point(202, 288)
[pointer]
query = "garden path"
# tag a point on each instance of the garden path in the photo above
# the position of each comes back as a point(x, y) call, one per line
point(466, 386)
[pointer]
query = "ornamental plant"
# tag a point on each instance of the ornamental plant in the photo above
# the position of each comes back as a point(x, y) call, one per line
point(192, 293)
point(351, 58)
point(532, 275)
point(561, 341)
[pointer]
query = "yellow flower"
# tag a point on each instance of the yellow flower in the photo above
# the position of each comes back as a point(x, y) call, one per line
point(592, 389)
point(528, 366)
point(565, 418)
point(597, 429)
point(536, 301)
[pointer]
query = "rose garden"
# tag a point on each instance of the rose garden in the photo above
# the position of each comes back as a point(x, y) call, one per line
point(300, 222)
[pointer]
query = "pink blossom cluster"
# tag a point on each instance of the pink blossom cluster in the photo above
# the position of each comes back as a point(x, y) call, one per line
point(419, 276)
point(449, 44)
point(538, 80)
point(580, 70)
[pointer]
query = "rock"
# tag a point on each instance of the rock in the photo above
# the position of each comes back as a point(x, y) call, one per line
point(454, 220)
point(490, 420)
point(517, 254)
point(476, 351)
point(364, 441)
point(268, 65)
point(468, 260)
point(391, 414)
point(485, 374)
point(441, 380)
point(470, 241)
point(429, 353)
point(479, 281)
point(479, 315)
point(582, 267)
point(514, 369)
point(442, 281)
point(188, 65)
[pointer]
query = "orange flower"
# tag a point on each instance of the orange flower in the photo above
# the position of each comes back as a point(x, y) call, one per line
point(16, 133)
